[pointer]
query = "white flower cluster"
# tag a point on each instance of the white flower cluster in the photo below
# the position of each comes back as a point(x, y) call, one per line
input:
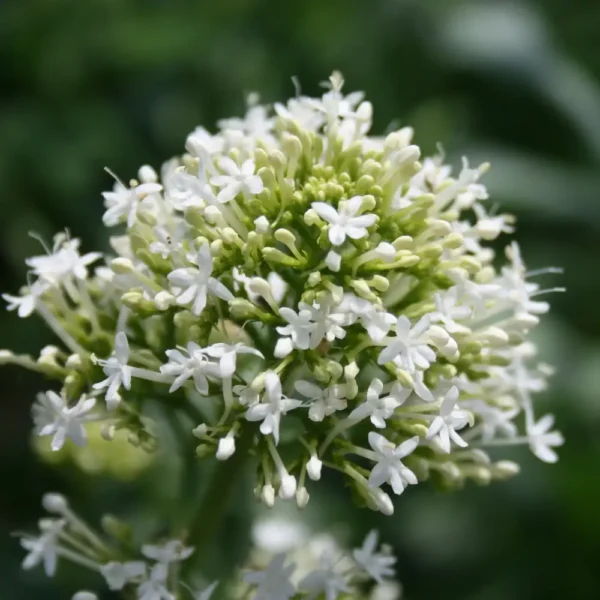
point(156, 575)
point(322, 297)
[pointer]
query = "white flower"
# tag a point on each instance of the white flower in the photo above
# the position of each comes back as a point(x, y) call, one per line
point(274, 582)
point(64, 263)
point(117, 370)
point(449, 311)
point(226, 447)
point(389, 467)
point(313, 467)
point(118, 575)
point(207, 592)
point(325, 401)
point(324, 580)
point(247, 395)
point(54, 417)
point(515, 289)
point(494, 422)
point(377, 565)
point(227, 355)
point(196, 365)
point(333, 103)
point(124, 202)
point(155, 588)
point(255, 125)
point(237, 180)
point(270, 412)
point(170, 552)
point(333, 260)
point(443, 427)
point(200, 142)
point(345, 221)
point(542, 440)
point(168, 240)
point(409, 346)
point(302, 110)
point(327, 319)
point(299, 328)
point(25, 305)
point(374, 319)
point(195, 283)
point(380, 408)
point(43, 548)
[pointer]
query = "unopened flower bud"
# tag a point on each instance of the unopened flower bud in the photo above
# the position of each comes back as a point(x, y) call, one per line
point(226, 446)
point(382, 501)
point(283, 347)
point(85, 595)
point(163, 300)
point(287, 487)
point(333, 260)
point(55, 503)
point(122, 266)
point(261, 224)
point(504, 469)
point(313, 467)
point(302, 497)
point(200, 431)
point(267, 495)
point(107, 432)
point(147, 174)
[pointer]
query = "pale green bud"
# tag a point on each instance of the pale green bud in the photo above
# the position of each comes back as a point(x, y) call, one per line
point(314, 278)
point(122, 266)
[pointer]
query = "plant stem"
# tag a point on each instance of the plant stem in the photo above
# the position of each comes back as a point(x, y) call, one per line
point(216, 498)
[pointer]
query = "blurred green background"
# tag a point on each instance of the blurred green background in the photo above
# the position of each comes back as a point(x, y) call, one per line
point(120, 83)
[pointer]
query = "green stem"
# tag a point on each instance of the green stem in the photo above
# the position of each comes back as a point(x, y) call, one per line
point(216, 498)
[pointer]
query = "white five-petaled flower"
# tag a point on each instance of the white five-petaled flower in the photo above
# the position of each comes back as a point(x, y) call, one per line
point(270, 412)
point(377, 565)
point(274, 582)
point(493, 421)
point(52, 416)
point(117, 370)
point(193, 284)
point(328, 321)
point(124, 202)
point(376, 321)
point(299, 328)
point(227, 355)
point(155, 587)
point(25, 305)
point(117, 575)
point(170, 552)
point(196, 365)
point(43, 549)
point(325, 401)
point(168, 240)
point(345, 222)
point(325, 580)
point(449, 311)
point(200, 142)
point(256, 124)
point(443, 427)
point(378, 407)
point(237, 180)
point(389, 467)
point(64, 263)
point(542, 440)
point(409, 346)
